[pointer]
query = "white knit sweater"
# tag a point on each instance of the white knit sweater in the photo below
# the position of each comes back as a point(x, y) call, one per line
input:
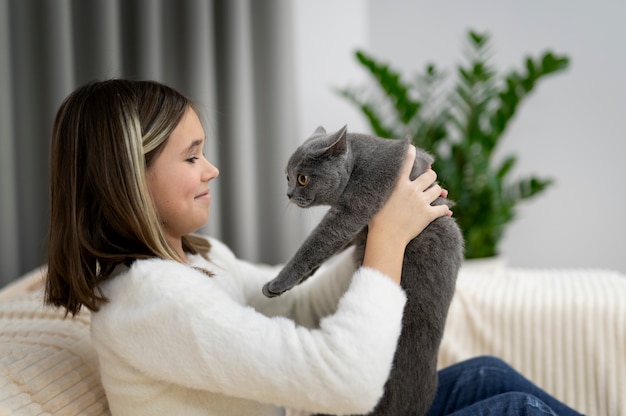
point(173, 341)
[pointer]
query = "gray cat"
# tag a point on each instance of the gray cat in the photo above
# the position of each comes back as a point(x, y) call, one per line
point(355, 174)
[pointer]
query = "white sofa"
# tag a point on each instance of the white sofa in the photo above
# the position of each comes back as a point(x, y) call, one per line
point(563, 329)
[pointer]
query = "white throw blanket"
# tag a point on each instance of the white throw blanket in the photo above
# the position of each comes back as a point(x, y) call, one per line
point(563, 329)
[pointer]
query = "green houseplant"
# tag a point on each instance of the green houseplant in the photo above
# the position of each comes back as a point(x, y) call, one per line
point(461, 124)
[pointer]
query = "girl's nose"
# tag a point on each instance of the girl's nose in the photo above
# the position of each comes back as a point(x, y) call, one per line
point(211, 172)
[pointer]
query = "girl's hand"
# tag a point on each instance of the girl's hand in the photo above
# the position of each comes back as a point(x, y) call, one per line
point(405, 214)
point(408, 211)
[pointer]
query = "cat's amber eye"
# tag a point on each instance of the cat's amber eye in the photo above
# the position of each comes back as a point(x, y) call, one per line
point(303, 180)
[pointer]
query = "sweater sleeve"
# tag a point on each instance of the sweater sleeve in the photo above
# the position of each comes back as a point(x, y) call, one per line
point(176, 324)
point(306, 303)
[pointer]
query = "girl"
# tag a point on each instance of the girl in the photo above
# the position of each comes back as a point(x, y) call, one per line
point(180, 324)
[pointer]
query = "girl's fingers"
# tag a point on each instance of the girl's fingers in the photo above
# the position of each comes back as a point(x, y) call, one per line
point(426, 179)
point(409, 160)
point(433, 192)
point(431, 195)
point(441, 210)
point(425, 183)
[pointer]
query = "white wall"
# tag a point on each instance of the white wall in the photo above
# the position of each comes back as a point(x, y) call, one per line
point(326, 34)
point(570, 129)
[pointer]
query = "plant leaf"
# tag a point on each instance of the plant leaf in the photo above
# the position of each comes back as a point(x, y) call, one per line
point(506, 167)
point(390, 82)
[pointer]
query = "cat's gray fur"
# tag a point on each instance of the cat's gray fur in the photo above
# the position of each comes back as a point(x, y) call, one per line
point(355, 174)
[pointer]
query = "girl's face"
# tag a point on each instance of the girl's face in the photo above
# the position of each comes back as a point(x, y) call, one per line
point(178, 180)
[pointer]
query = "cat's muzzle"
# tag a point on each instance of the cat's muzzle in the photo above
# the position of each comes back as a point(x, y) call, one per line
point(302, 203)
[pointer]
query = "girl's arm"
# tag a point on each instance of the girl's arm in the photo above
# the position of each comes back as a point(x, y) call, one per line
point(174, 323)
point(308, 302)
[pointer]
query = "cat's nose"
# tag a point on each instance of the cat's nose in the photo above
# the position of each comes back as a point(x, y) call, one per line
point(289, 194)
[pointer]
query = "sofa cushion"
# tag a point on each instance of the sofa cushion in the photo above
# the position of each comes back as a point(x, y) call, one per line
point(47, 365)
point(564, 329)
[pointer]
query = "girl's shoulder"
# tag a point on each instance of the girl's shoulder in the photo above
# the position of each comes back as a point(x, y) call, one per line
point(220, 255)
point(149, 277)
point(158, 277)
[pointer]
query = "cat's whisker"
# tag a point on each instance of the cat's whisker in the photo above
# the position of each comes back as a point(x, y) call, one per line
point(286, 206)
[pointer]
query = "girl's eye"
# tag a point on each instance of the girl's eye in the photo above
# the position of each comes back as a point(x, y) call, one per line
point(192, 159)
point(303, 180)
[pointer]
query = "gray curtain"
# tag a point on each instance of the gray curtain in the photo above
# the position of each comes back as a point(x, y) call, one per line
point(233, 57)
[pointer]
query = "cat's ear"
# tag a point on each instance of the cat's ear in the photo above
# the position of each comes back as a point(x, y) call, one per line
point(319, 130)
point(338, 142)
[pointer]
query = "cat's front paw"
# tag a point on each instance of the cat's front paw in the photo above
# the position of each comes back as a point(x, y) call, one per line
point(274, 288)
point(287, 279)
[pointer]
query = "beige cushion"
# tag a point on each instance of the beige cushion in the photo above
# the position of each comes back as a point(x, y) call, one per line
point(47, 366)
point(565, 329)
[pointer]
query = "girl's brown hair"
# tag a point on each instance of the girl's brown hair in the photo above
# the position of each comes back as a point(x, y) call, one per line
point(104, 136)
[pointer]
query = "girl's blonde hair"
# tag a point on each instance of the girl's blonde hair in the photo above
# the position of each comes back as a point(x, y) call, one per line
point(104, 136)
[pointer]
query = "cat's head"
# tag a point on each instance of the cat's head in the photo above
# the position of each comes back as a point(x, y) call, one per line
point(319, 169)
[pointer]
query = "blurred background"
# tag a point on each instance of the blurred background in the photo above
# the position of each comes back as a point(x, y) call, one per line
point(265, 73)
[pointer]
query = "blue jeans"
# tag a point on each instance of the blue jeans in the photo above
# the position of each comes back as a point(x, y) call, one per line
point(486, 386)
